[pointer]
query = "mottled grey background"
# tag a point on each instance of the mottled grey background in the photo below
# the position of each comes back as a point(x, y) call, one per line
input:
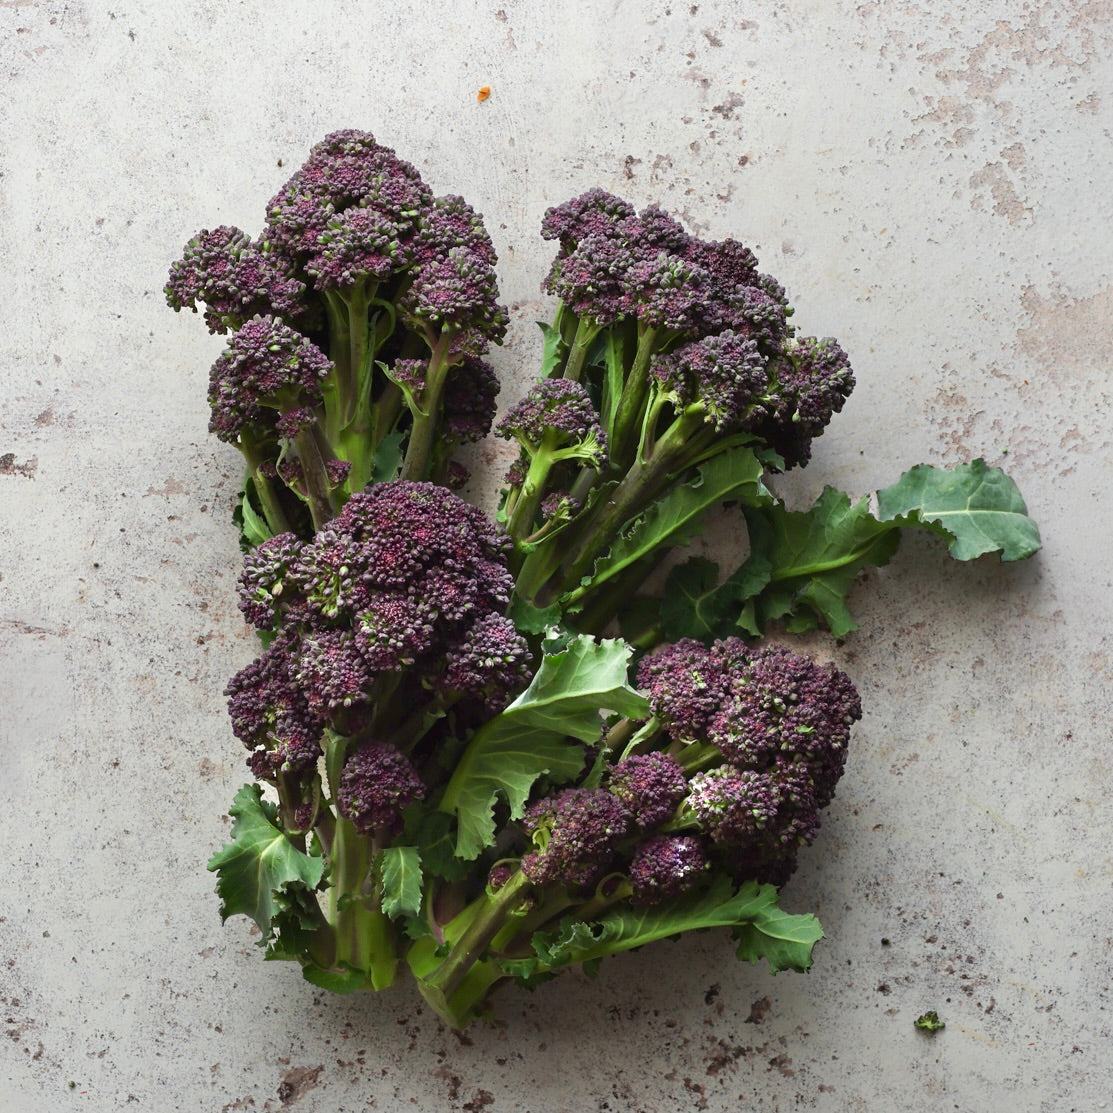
point(932, 183)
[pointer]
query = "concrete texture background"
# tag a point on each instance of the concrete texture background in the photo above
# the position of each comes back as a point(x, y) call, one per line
point(932, 183)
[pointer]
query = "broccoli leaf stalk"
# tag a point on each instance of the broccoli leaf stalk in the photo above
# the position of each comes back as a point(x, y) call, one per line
point(484, 920)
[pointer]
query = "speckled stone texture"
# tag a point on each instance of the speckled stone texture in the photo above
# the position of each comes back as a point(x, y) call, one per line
point(932, 183)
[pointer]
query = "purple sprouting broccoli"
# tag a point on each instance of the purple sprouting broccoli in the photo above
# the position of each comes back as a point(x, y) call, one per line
point(265, 577)
point(555, 423)
point(665, 867)
point(407, 585)
point(813, 380)
point(576, 835)
point(451, 222)
point(491, 660)
point(377, 784)
point(456, 295)
point(727, 382)
point(234, 279)
point(769, 729)
point(736, 807)
point(358, 244)
point(758, 820)
point(779, 704)
point(272, 717)
point(268, 369)
point(684, 683)
point(722, 379)
point(346, 170)
point(595, 212)
point(650, 786)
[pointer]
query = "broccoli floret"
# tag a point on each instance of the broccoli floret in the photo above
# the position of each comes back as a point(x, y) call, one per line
point(376, 785)
point(271, 714)
point(234, 279)
point(684, 683)
point(576, 833)
point(267, 369)
point(776, 703)
point(554, 423)
point(347, 169)
point(650, 786)
point(929, 1022)
point(665, 867)
point(408, 580)
point(723, 376)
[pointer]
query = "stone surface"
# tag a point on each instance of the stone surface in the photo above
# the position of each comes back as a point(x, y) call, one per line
point(932, 184)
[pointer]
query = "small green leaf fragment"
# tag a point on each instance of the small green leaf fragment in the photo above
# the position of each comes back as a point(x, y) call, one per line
point(530, 619)
point(336, 981)
point(401, 877)
point(253, 526)
point(929, 1022)
point(388, 459)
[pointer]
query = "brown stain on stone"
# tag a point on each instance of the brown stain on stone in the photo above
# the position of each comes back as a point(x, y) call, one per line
point(1061, 331)
point(297, 1082)
point(9, 466)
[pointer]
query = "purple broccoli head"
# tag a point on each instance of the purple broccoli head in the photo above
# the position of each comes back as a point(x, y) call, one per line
point(576, 833)
point(725, 374)
point(665, 867)
point(233, 278)
point(266, 367)
point(650, 786)
point(684, 684)
point(377, 784)
point(559, 414)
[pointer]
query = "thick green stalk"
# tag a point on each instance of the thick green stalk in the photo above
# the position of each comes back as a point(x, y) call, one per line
point(586, 332)
point(318, 491)
point(268, 496)
point(644, 482)
point(469, 948)
point(364, 936)
point(423, 434)
point(626, 431)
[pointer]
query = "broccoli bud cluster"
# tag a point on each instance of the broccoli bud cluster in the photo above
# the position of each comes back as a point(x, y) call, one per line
point(779, 724)
point(407, 585)
point(742, 754)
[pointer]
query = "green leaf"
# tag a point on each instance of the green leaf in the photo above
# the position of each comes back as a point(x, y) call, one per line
point(296, 921)
point(677, 517)
point(342, 981)
point(694, 604)
point(533, 736)
point(802, 564)
point(401, 876)
point(434, 834)
point(553, 351)
point(977, 508)
point(388, 459)
point(252, 525)
point(764, 930)
point(530, 619)
point(259, 862)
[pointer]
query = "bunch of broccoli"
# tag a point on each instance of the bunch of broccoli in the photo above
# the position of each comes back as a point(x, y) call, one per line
point(483, 749)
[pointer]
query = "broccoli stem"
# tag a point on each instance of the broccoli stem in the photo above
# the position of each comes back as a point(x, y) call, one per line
point(586, 332)
point(268, 496)
point(482, 927)
point(628, 414)
point(423, 434)
point(318, 490)
point(645, 481)
point(364, 936)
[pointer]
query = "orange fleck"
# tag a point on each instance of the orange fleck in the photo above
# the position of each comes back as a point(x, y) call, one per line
point(483, 94)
